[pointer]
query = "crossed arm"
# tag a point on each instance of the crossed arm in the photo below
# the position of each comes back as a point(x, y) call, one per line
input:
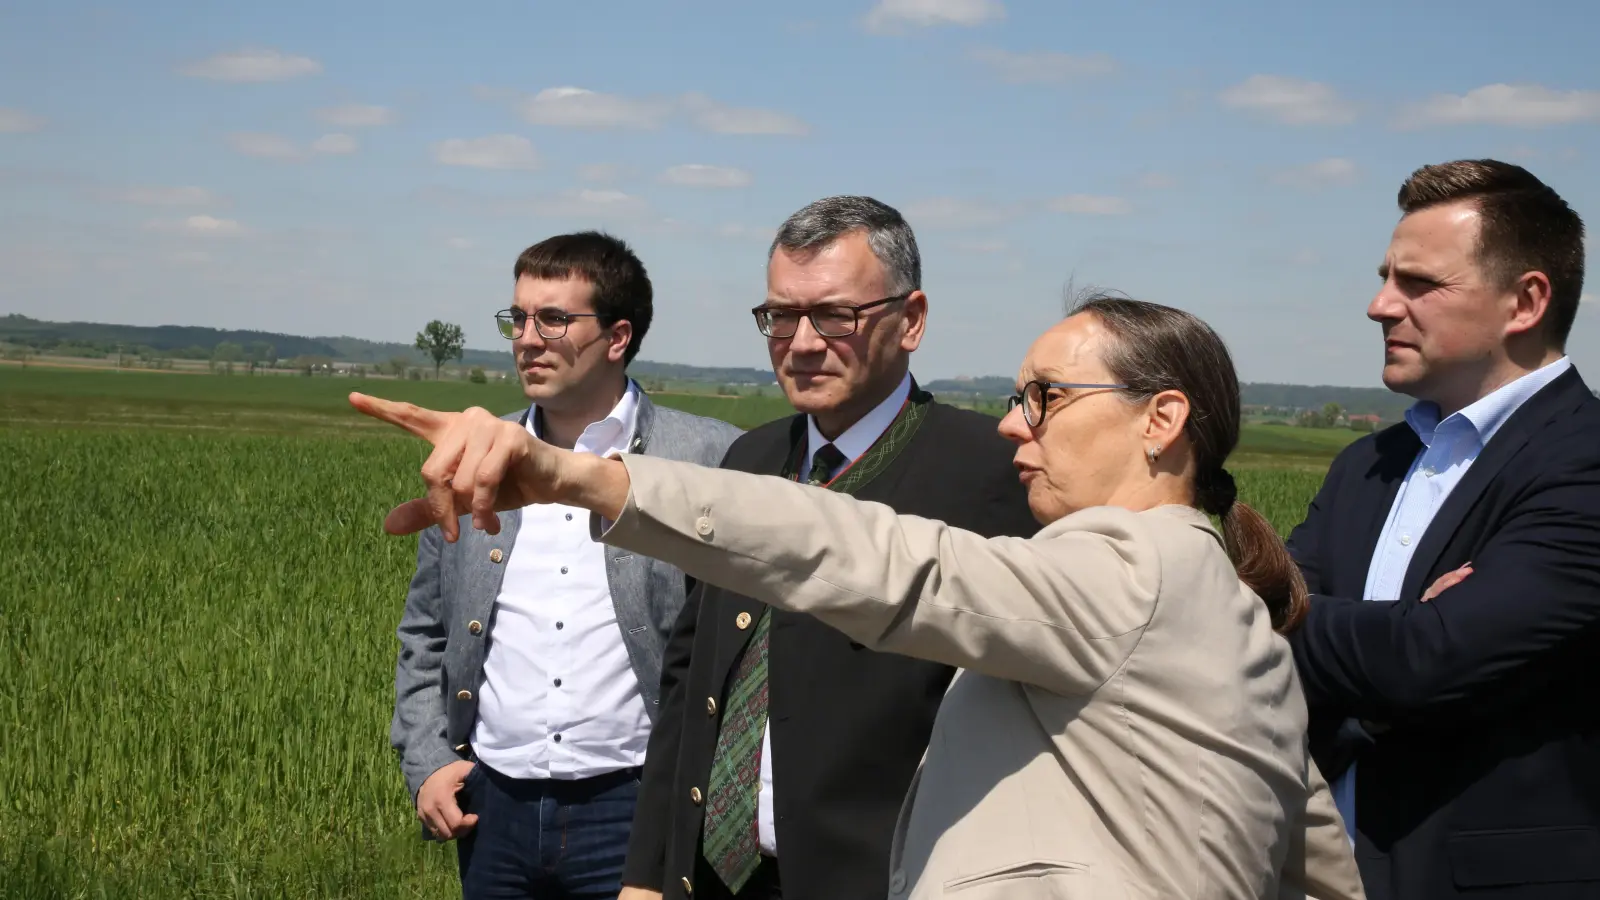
point(1532, 590)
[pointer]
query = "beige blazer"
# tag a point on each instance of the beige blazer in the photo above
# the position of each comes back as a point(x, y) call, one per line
point(1126, 724)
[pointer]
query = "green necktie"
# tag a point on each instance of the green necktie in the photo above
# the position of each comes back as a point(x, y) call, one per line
point(731, 839)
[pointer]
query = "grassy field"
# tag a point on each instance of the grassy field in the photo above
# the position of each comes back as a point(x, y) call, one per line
point(197, 630)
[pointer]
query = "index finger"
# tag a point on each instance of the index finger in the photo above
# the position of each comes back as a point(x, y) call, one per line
point(425, 423)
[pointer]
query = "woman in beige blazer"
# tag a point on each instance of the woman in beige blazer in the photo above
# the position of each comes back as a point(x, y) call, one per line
point(1128, 722)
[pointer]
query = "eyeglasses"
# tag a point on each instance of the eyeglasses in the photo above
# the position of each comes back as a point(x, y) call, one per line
point(1031, 397)
point(829, 319)
point(551, 323)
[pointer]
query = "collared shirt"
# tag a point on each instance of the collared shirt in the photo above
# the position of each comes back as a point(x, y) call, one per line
point(856, 440)
point(1449, 448)
point(559, 698)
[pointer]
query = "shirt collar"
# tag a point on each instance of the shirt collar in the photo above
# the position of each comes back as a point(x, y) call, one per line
point(1488, 413)
point(610, 433)
point(859, 438)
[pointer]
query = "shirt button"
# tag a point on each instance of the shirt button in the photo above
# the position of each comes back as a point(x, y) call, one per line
point(474, 626)
point(694, 796)
point(897, 882)
point(688, 886)
point(558, 738)
point(560, 625)
point(563, 570)
point(569, 517)
point(463, 695)
point(495, 555)
point(711, 706)
point(558, 682)
point(703, 526)
point(1405, 540)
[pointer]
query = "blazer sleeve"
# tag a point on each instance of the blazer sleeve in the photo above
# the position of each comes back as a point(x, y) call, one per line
point(1534, 589)
point(1320, 864)
point(1062, 612)
point(417, 728)
point(1305, 540)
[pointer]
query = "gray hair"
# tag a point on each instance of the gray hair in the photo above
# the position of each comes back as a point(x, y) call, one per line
point(824, 221)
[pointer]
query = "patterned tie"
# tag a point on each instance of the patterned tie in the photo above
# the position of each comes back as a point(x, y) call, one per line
point(731, 839)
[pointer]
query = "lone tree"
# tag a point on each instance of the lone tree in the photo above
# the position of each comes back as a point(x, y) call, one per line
point(441, 341)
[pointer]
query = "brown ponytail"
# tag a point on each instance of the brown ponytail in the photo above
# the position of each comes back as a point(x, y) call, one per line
point(1158, 348)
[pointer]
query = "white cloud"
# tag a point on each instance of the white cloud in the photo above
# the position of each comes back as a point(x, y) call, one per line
point(267, 146)
point(581, 108)
point(1512, 106)
point(890, 14)
point(276, 146)
point(704, 176)
point(957, 212)
point(356, 115)
point(18, 121)
point(252, 66)
point(1091, 205)
point(586, 203)
point(602, 173)
point(1024, 68)
point(719, 118)
point(1291, 101)
point(200, 225)
point(187, 195)
point(575, 107)
point(496, 151)
point(335, 144)
point(1323, 173)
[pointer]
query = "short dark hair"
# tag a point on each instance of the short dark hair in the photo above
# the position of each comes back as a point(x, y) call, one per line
point(1526, 227)
point(1155, 348)
point(821, 222)
point(621, 284)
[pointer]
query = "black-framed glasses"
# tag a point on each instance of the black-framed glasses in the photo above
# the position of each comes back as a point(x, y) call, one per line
point(1031, 397)
point(551, 323)
point(829, 319)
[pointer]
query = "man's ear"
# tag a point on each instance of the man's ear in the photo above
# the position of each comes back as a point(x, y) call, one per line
point(1530, 302)
point(915, 313)
point(621, 337)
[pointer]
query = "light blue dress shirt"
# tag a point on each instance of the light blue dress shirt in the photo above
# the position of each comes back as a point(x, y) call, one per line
point(1448, 450)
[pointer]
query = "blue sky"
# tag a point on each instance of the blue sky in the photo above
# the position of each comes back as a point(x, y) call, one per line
point(361, 168)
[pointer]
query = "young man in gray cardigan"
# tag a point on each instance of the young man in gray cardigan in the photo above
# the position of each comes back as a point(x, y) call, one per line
point(530, 661)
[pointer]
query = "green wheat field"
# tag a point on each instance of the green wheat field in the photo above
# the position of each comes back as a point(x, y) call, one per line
point(197, 613)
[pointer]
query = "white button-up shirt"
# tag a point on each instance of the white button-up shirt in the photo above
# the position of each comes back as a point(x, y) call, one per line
point(559, 697)
point(1449, 448)
point(856, 440)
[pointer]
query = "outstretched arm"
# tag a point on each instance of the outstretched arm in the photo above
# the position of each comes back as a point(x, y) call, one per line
point(1061, 613)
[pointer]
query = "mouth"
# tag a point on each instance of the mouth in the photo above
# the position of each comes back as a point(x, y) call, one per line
point(1026, 473)
point(1392, 345)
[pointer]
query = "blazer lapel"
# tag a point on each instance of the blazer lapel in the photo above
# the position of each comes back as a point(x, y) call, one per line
point(734, 609)
point(1502, 448)
point(1396, 452)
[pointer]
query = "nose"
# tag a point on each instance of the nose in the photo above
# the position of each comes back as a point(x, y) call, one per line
point(1387, 305)
point(1014, 428)
point(530, 339)
point(806, 339)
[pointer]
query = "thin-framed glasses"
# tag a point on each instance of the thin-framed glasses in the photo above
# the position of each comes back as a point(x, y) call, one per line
point(829, 319)
point(551, 323)
point(1032, 396)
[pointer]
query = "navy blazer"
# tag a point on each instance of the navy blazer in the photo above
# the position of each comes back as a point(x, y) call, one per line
point(1475, 718)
